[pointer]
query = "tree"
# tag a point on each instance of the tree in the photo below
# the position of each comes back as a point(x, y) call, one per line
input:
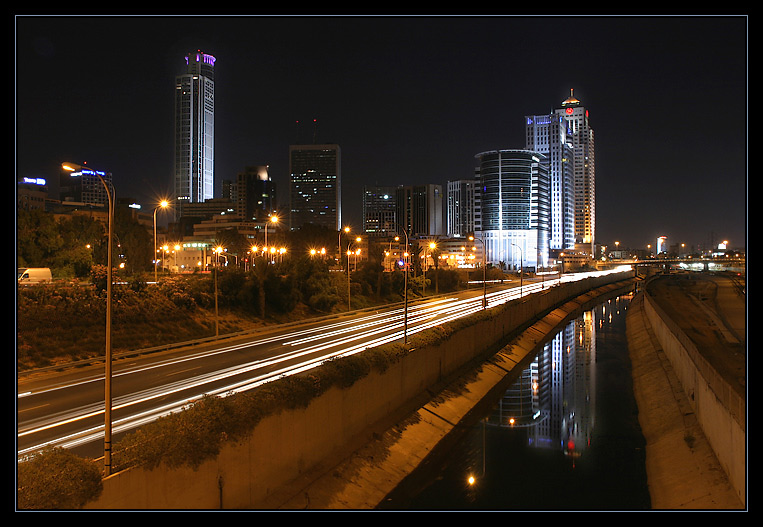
point(134, 242)
point(37, 238)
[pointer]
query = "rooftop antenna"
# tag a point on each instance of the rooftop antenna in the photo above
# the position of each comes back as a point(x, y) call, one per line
point(315, 129)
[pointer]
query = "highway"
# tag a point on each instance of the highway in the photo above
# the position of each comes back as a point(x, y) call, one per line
point(67, 409)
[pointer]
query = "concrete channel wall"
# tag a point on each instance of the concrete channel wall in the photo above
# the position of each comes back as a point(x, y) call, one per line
point(285, 447)
point(720, 410)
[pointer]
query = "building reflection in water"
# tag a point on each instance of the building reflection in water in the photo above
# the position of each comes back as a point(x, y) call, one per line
point(554, 397)
point(538, 448)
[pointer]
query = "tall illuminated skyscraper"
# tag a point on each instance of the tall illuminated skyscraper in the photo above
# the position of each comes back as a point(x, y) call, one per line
point(581, 132)
point(566, 139)
point(550, 135)
point(315, 185)
point(515, 198)
point(195, 131)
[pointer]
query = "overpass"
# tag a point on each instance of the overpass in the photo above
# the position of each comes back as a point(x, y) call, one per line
point(689, 264)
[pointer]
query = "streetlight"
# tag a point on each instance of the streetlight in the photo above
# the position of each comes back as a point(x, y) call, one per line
point(165, 248)
point(71, 167)
point(346, 231)
point(273, 220)
point(405, 288)
point(162, 205)
point(217, 250)
point(389, 254)
point(521, 266)
point(357, 240)
point(484, 271)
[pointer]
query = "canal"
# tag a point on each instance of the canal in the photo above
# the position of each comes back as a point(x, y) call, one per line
point(565, 436)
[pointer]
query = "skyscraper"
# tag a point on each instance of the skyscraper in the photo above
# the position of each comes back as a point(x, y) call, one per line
point(419, 209)
point(315, 185)
point(550, 135)
point(255, 193)
point(195, 131)
point(581, 132)
point(379, 210)
point(462, 207)
point(515, 197)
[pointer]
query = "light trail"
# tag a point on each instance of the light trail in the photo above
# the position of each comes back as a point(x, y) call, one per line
point(367, 331)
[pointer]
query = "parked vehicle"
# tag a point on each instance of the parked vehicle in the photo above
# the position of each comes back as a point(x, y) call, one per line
point(34, 275)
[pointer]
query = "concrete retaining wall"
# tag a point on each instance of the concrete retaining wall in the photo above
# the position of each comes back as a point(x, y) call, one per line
point(285, 447)
point(720, 410)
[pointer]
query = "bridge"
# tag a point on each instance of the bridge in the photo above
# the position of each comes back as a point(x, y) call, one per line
point(690, 264)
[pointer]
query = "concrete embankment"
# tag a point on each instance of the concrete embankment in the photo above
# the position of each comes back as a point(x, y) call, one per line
point(678, 399)
point(352, 446)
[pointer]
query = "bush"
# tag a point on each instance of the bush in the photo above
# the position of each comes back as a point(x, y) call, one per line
point(57, 479)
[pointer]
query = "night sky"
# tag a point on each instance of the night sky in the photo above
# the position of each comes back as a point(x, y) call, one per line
point(409, 99)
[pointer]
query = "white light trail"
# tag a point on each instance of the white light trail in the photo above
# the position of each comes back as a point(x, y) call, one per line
point(369, 331)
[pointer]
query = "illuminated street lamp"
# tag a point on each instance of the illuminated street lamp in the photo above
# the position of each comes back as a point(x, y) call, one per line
point(405, 289)
point(484, 271)
point(71, 167)
point(346, 231)
point(217, 250)
point(273, 220)
point(163, 205)
point(521, 266)
point(349, 252)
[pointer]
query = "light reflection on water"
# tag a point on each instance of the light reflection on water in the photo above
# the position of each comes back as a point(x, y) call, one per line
point(564, 436)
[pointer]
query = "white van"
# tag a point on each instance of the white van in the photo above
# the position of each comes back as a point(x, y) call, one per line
point(34, 275)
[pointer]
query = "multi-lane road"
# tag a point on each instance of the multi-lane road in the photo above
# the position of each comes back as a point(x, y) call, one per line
point(67, 408)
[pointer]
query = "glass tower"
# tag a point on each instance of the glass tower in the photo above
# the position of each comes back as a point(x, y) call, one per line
point(515, 198)
point(581, 134)
point(551, 136)
point(195, 131)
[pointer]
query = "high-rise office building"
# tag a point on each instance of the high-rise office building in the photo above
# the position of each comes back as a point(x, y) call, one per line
point(195, 131)
point(254, 193)
point(379, 210)
point(550, 135)
point(82, 184)
point(315, 185)
point(582, 136)
point(515, 197)
point(461, 207)
point(419, 209)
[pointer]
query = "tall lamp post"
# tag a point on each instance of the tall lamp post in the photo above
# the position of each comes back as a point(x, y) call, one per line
point(273, 220)
point(347, 231)
point(71, 167)
point(484, 271)
point(162, 205)
point(348, 270)
point(405, 289)
point(521, 266)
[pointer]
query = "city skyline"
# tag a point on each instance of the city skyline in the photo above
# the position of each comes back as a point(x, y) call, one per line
point(410, 100)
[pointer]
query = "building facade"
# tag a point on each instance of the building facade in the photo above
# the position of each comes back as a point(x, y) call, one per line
point(315, 185)
point(194, 175)
point(515, 203)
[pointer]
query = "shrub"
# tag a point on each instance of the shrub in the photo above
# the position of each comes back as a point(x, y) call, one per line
point(57, 479)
